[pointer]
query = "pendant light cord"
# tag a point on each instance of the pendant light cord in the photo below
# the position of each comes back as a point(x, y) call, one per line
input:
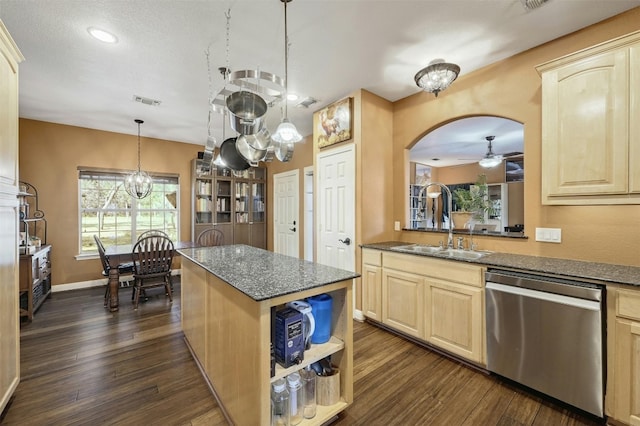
point(139, 123)
point(286, 61)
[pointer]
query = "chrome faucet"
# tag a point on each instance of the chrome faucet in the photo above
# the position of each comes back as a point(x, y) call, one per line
point(460, 245)
point(449, 205)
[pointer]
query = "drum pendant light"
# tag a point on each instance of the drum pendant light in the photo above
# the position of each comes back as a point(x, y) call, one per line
point(286, 131)
point(138, 184)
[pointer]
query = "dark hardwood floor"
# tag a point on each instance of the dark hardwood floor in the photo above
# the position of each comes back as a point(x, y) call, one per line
point(82, 365)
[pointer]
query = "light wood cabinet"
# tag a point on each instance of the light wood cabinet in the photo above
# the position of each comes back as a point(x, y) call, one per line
point(403, 302)
point(454, 318)
point(372, 284)
point(438, 301)
point(229, 335)
point(10, 57)
point(626, 359)
point(590, 140)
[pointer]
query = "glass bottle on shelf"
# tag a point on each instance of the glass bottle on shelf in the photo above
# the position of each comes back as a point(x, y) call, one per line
point(280, 398)
point(309, 391)
point(296, 398)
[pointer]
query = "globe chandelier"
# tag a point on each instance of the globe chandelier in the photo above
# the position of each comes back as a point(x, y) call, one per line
point(138, 184)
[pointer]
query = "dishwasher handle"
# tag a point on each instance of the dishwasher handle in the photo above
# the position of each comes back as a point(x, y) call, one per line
point(545, 296)
point(560, 286)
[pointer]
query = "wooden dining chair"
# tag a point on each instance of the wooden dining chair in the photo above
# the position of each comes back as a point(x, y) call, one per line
point(153, 233)
point(124, 269)
point(210, 237)
point(152, 257)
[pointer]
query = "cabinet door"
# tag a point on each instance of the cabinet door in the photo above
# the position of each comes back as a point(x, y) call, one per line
point(403, 302)
point(454, 319)
point(9, 311)
point(627, 372)
point(634, 124)
point(585, 110)
point(372, 292)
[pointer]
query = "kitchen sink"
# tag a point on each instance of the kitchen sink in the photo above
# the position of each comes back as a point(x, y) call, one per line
point(442, 252)
point(464, 254)
point(417, 248)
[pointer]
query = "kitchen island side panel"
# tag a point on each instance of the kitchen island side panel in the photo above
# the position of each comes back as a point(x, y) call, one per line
point(236, 348)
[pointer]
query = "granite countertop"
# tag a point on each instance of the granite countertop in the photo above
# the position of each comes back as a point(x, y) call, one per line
point(262, 274)
point(576, 269)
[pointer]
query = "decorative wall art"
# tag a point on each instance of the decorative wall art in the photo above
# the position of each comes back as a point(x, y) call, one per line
point(333, 123)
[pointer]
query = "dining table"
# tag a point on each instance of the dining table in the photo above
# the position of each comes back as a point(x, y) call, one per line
point(124, 253)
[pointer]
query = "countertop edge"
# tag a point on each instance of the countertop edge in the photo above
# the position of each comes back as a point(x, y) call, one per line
point(604, 273)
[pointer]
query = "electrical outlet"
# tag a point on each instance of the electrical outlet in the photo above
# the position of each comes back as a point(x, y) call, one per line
point(549, 235)
point(396, 225)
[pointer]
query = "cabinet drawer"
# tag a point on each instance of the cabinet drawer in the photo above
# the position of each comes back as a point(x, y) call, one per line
point(628, 304)
point(450, 270)
point(372, 257)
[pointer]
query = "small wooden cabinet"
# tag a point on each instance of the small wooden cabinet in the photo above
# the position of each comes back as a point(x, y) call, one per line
point(403, 302)
point(438, 301)
point(454, 313)
point(35, 280)
point(372, 284)
point(626, 359)
point(590, 139)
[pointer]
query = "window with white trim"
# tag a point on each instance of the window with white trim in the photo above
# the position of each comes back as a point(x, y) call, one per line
point(106, 210)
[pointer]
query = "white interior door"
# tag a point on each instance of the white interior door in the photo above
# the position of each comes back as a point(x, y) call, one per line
point(308, 236)
point(285, 213)
point(336, 207)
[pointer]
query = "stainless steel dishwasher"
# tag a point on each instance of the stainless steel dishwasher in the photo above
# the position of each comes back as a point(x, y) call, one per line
point(548, 334)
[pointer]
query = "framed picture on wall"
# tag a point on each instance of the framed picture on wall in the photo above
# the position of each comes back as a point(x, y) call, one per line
point(334, 123)
point(514, 170)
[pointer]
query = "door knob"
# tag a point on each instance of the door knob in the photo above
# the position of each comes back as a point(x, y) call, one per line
point(346, 241)
point(292, 229)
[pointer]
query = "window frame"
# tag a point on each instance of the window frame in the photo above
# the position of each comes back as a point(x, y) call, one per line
point(133, 211)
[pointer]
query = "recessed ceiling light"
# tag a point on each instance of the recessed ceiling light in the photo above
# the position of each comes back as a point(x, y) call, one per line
point(102, 35)
point(292, 97)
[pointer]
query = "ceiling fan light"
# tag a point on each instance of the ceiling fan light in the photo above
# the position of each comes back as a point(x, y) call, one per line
point(489, 162)
point(286, 133)
point(437, 76)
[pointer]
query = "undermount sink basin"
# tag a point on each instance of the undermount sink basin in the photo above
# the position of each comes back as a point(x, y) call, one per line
point(464, 254)
point(441, 252)
point(416, 248)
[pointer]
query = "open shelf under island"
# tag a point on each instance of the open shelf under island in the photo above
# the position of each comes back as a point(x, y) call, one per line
point(228, 293)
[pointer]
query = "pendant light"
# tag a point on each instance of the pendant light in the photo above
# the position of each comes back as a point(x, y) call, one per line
point(138, 184)
point(286, 131)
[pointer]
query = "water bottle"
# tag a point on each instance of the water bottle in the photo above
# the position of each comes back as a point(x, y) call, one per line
point(309, 387)
point(296, 398)
point(280, 398)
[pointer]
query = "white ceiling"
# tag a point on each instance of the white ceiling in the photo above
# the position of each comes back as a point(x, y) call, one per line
point(335, 47)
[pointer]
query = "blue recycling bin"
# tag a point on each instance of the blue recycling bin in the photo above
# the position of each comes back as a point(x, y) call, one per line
point(321, 308)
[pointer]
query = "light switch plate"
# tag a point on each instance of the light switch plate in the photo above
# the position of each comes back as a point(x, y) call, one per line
point(396, 225)
point(549, 235)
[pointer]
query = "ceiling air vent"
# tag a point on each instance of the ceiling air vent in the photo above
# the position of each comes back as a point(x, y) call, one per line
point(306, 102)
point(532, 4)
point(146, 101)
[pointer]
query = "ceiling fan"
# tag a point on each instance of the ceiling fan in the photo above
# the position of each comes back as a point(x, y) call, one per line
point(492, 159)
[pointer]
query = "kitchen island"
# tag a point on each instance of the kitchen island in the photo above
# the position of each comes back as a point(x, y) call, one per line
point(229, 295)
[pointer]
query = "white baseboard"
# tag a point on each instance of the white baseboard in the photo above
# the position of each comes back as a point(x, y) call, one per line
point(89, 284)
point(358, 315)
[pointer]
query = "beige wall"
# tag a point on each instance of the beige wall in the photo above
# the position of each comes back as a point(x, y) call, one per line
point(49, 158)
point(511, 89)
